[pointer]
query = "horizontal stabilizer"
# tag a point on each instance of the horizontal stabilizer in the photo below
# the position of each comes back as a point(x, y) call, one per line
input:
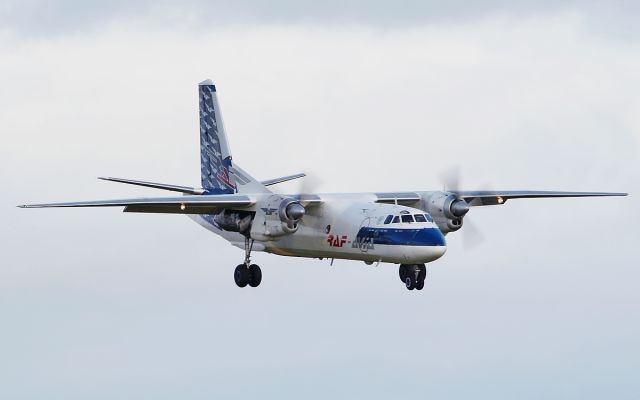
point(174, 205)
point(173, 188)
point(274, 181)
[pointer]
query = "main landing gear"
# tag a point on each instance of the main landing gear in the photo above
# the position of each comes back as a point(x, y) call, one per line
point(247, 273)
point(413, 275)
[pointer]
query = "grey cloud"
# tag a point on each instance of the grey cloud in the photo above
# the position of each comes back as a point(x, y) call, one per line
point(100, 304)
point(38, 18)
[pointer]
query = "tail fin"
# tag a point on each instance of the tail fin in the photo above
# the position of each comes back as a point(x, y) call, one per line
point(215, 156)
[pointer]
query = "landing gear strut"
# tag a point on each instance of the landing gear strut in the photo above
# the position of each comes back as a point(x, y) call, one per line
point(413, 275)
point(247, 273)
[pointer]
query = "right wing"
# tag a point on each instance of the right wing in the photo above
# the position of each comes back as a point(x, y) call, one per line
point(174, 205)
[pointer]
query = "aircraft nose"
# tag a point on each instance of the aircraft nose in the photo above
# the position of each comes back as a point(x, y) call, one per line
point(432, 244)
point(430, 237)
point(428, 253)
point(439, 251)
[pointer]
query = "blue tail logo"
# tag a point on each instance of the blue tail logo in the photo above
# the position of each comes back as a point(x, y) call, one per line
point(215, 156)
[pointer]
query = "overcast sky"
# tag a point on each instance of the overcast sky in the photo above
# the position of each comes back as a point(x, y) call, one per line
point(365, 97)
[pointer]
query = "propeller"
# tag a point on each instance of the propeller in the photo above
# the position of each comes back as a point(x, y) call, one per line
point(307, 185)
point(295, 210)
point(471, 234)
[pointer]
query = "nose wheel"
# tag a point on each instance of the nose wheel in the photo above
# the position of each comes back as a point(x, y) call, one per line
point(413, 275)
point(247, 273)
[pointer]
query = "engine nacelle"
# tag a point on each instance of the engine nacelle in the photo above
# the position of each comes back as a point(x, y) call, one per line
point(234, 221)
point(447, 210)
point(276, 217)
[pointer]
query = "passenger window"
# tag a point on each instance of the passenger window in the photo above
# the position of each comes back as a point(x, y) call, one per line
point(429, 217)
point(420, 218)
point(396, 219)
point(388, 219)
point(407, 218)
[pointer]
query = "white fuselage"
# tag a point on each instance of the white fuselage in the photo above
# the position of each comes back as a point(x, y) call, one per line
point(350, 227)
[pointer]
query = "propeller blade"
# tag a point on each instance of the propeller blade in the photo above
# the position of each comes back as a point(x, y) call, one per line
point(306, 187)
point(451, 179)
point(471, 234)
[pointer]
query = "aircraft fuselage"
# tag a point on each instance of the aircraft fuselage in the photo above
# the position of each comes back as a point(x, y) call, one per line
point(344, 228)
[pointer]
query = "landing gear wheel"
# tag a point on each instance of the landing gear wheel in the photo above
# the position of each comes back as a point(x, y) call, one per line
point(255, 275)
point(413, 275)
point(403, 272)
point(241, 275)
point(421, 277)
point(410, 283)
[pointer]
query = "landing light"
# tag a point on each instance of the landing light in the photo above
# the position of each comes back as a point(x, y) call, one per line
point(500, 200)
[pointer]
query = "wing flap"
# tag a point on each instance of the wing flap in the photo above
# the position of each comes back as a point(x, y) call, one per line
point(172, 209)
point(402, 198)
point(175, 205)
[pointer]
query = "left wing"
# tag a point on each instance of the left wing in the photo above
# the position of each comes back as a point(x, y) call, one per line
point(205, 204)
point(493, 197)
point(487, 197)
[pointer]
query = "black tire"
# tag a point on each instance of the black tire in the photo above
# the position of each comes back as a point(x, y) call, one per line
point(402, 271)
point(423, 272)
point(241, 275)
point(255, 275)
point(410, 283)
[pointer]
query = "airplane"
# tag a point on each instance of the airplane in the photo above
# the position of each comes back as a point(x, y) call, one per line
point(404, 228)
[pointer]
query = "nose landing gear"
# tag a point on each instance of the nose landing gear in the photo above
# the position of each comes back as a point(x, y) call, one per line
point(413, 275)
point(247, 273)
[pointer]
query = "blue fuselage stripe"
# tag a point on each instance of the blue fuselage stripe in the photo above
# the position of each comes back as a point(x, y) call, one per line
point(401, 237)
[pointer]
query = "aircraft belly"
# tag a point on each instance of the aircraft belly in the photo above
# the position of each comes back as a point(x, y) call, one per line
point(383, 253)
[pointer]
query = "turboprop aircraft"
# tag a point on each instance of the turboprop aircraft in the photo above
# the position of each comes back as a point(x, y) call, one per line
point(405, 228)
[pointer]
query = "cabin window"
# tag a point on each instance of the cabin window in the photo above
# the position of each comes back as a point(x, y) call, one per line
point(420, 218)
point(407, 218)
point(388, 219)
point(396, 219)
point(429, 217)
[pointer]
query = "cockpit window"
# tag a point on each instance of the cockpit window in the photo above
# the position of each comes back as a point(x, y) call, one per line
point(420, 218)
point(429, 217)
point(407, 218)
point(388, 219)
point(396, 219)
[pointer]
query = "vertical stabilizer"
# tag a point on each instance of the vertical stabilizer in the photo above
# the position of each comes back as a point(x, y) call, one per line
point(215, 156)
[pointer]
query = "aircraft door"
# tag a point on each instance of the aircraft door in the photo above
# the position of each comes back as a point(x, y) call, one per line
point(364, 239)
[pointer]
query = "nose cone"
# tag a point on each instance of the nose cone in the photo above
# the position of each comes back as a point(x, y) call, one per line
point(429, 253)
point(432, 244)
point(437, 252)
